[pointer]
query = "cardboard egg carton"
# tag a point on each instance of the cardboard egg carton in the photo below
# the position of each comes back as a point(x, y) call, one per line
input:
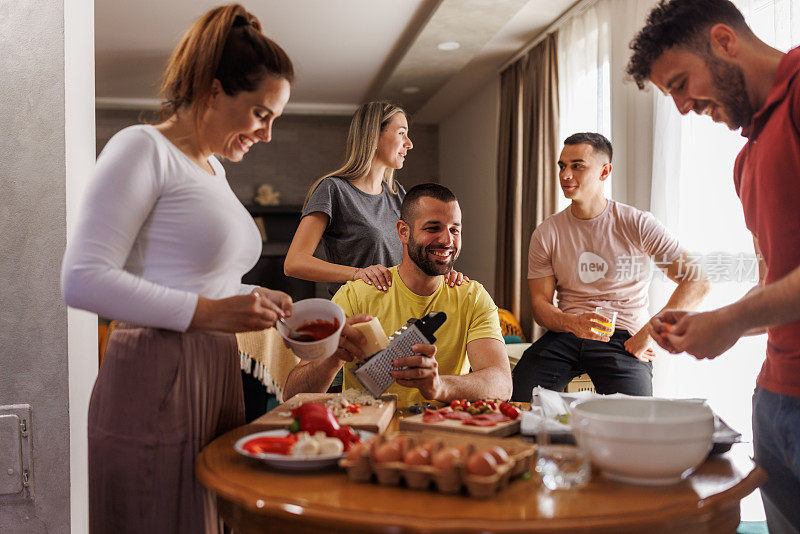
point(454, 480)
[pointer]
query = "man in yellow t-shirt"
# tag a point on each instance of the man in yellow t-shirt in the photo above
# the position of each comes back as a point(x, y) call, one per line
point(430, 230)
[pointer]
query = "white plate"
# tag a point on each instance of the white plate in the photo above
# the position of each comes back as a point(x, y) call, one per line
point(298, 463)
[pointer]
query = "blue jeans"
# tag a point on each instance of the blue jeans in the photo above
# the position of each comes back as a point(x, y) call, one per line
point(776, 443)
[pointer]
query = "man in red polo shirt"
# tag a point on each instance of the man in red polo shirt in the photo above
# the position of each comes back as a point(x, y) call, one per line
point(703, 55)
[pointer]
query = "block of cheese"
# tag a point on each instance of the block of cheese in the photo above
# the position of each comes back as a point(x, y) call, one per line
point(376, 338)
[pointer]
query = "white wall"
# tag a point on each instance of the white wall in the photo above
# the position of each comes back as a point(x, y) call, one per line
point(79, 147)
point(303, 148)
point(468, 166)
point(48, 356)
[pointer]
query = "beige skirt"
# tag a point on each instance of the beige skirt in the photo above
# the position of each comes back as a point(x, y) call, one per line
point(160, 397)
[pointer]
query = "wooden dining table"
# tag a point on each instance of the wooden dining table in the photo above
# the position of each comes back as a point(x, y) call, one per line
point(255, 498)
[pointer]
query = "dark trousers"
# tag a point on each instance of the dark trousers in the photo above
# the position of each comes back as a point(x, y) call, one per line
point(558, 357)
point(776, 435)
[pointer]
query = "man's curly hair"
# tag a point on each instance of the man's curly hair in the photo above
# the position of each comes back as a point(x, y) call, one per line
point(679, 23)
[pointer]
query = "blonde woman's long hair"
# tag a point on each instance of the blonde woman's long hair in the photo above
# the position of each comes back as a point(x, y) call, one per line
point(368, 122)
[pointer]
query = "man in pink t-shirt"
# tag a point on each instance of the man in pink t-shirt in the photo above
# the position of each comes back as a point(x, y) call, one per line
point(597, 252)
point(703, 55)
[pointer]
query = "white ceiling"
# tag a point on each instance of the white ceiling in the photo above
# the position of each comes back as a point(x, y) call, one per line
point(344, 51)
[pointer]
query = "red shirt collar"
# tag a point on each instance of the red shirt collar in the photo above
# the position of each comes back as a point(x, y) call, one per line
point(788, 69)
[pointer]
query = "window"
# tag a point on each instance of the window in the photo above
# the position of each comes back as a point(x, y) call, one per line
point(584, 83)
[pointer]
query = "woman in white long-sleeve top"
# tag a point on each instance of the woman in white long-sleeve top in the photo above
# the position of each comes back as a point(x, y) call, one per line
point(161, 245)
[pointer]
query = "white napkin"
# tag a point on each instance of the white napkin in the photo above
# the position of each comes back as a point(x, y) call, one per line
point(553, 408)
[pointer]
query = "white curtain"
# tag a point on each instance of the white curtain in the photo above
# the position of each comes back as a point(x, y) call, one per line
point(584, 84)
point(595, 97)
point(693, 194)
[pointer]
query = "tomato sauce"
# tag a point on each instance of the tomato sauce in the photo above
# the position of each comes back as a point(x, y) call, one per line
point(316, 330)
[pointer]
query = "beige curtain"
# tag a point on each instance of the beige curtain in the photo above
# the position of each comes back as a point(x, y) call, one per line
point(527, 171)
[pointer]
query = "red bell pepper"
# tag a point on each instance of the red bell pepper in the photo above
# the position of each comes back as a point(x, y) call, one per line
point(314, 417)
point(347, 436)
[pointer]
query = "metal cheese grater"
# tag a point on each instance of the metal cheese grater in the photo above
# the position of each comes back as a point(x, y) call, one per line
point(374, 373)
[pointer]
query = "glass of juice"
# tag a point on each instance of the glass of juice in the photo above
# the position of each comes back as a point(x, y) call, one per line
point(606, 327)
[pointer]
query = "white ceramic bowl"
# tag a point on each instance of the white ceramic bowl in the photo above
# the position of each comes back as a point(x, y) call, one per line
point(306, 311)
point(644, 440)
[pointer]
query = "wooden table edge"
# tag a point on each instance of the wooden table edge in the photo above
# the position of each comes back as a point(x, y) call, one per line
point(292, 509)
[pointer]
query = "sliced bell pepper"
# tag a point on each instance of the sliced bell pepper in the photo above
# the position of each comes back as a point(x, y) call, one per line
point(271, 444)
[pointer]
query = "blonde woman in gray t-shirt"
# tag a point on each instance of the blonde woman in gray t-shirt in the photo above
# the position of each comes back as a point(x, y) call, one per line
point(354, 210)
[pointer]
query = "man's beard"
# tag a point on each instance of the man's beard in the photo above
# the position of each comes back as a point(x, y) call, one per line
point(728, 80)
point(419, 256)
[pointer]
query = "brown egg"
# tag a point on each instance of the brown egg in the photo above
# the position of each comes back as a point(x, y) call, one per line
point(399, 439)
point(374, 442)
point(446, 458)
point(417, 456)
point(389, 452)
point(481, 464)
point(500, 454)
point(429, 446)
point(357, 451)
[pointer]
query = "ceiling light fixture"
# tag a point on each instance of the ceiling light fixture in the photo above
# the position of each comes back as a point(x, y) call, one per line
point(410, 90)
point(448, 45)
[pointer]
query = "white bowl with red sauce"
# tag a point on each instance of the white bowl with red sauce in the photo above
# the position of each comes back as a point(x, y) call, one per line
point(319, 323)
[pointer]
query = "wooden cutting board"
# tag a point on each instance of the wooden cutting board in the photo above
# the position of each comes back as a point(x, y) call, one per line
point(374, 418)
point(415, 423)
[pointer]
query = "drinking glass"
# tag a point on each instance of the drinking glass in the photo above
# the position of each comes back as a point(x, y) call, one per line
point(560, 466)
point(608, 325)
